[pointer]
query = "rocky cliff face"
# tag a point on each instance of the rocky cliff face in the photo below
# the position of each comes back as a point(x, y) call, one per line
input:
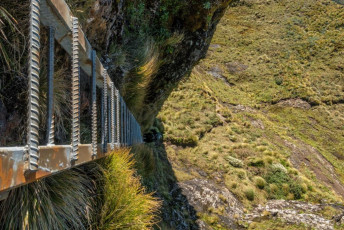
point(150, 45)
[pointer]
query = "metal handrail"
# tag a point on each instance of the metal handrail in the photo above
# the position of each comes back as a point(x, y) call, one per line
point(21, 165)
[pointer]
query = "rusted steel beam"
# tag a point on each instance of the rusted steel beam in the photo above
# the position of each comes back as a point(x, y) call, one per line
point(52, 160)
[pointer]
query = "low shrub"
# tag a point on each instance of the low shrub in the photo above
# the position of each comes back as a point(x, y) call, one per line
point(296, 190)
point(183, 140)
point(241, 174)
point(256, 162)
point(249, 193)
point(235, 162)
point(276, 175)
point(260, 182)
point(283, 183)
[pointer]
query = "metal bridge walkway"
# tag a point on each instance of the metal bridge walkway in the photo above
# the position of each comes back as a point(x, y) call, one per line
point(119, 128)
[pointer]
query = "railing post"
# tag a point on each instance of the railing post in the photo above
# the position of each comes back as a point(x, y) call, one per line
point(75, 90)
point(127, 116)
point(104, 113)
point(126, 125)
point(118, 117)
point(109, 117)
point(94, 105)
point(112, 115)
point(122, 122)
point(132, 130)
point(34, 67)
point(50, 132)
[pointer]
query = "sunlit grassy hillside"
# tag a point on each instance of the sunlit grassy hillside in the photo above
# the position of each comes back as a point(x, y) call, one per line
point(263, 113)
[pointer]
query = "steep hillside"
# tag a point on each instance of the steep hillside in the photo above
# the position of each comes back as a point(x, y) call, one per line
point(261, 117)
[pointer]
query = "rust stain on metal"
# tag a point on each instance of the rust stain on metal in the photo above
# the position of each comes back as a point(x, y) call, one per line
point(6, 172)
point(54, 158)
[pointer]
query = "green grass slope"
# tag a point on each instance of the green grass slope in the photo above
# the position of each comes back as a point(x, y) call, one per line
point(263, 113)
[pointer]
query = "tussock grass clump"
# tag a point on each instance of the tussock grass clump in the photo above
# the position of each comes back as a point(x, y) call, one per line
point(5, 18)
point(260, 182)
point(100, 195)
point(62, 201)
point(126, 204)
point(249, 193)
point(187, 139)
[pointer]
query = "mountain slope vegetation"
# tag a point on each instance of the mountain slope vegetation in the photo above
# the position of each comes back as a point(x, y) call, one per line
point(262, 114)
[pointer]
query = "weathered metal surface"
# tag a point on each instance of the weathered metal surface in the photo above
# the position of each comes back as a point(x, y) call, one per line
point(50, 132)
point(34, 67)
point(52, 160)
point(75, 90)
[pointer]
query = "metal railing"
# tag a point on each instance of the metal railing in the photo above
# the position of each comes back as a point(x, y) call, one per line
point(22, 165)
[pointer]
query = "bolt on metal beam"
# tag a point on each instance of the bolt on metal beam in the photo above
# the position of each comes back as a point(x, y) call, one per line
point(34, 68)
point(94, 105)
point(50, 132)
point(75, 90)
